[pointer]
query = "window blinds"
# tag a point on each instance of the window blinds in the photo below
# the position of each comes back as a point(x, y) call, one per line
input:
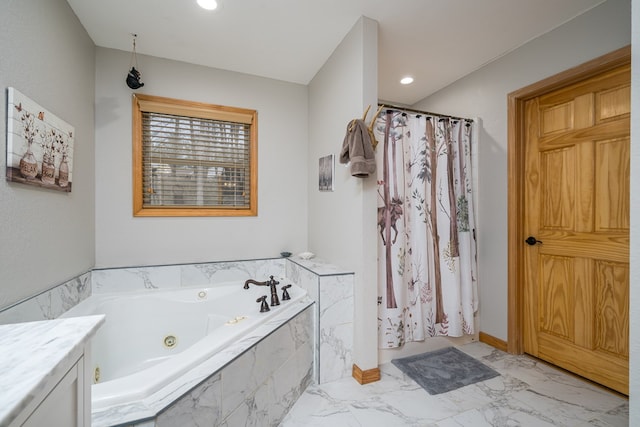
point(195, 161)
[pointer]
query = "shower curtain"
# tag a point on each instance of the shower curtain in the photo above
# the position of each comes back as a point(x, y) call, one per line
point(426, 241)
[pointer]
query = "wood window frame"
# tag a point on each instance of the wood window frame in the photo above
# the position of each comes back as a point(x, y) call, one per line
point(149, 103)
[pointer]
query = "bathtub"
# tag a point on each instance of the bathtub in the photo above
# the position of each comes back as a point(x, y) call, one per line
point(151, 338)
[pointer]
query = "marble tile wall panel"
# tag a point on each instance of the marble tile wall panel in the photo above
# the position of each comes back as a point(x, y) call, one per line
point(135, 279)
point(243, 377)
point(220, 272)
point(257, 388)
point(336, 327)
point(310, 282)
point(50, 304)
point(172, 276)
point(240, 380)
point(332, 290)
point(336, 299)
point(197, 408)
point(336, 352)
point(306, 279)
point(251, 412)
point(289, 382)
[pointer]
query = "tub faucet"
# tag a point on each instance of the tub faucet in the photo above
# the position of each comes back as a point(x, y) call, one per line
point(272, 283)
point(285, 294)
point(255, 282)
point(274, 291)
point(264, 307)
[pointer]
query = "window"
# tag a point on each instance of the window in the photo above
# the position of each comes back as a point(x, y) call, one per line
point(193, 159)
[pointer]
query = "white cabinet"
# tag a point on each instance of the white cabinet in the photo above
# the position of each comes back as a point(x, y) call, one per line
point(63, 405)
point(46, 367)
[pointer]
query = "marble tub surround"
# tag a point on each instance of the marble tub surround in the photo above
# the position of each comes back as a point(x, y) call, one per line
point(183, 275)
point(258, 387)
point(60, 298)
point(33, 352)
point(527, 393)
point(318, 266)
point(331, 287)
point(242, 372)
point(51, 303)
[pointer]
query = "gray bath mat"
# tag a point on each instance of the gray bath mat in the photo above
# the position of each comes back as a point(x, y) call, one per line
point(444, 370)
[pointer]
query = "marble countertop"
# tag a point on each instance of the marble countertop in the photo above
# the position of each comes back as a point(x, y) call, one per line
point(31, 353)
point(319, 266)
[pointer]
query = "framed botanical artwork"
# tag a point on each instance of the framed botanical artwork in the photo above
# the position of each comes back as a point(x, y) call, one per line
point(39, 145)
point(326, 171)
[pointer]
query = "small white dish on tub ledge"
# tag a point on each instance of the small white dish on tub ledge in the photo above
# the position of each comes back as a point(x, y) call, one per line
point(306, 255)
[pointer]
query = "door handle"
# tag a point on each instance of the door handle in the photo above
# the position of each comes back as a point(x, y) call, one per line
point(532, 241)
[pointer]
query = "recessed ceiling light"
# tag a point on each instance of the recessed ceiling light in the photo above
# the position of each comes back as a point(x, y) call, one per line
point(406, 80)
point(208, 4)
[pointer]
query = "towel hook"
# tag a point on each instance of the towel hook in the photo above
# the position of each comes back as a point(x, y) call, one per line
point(374, 142)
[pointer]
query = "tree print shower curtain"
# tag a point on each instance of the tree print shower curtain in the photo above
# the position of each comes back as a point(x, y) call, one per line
point(426, 242)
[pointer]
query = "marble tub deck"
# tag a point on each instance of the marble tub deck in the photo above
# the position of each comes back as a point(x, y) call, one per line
point(527, 393)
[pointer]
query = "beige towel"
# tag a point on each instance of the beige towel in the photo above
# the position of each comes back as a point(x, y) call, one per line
point(358, 150)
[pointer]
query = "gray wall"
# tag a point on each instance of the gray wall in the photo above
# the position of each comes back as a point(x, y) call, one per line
point(47, 236)
point(483, 94)
point(342, 224)
point(281, 224)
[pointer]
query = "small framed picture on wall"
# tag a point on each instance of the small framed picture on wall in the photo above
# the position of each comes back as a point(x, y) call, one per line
point(326, 171)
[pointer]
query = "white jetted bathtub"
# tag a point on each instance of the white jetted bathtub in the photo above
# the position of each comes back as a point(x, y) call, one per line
point(151, 338)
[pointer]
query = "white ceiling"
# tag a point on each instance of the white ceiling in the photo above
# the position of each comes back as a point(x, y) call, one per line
point(435, 41)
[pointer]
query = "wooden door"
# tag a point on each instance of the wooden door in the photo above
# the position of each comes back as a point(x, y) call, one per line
point(576, 211)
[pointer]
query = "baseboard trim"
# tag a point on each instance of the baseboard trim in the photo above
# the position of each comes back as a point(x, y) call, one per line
point(365, 377)
point(493, 341)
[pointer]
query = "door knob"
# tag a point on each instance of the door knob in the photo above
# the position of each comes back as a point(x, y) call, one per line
point(532, 241)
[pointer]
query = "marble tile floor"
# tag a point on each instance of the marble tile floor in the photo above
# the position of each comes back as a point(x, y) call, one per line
point(527, 393)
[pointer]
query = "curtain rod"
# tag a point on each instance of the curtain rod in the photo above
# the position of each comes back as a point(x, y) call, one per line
point(395, 107)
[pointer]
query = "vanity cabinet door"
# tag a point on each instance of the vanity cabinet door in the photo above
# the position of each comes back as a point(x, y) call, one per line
point(64, 405)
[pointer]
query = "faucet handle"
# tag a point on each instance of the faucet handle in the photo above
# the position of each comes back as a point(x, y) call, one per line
point(263, 306)
point(285, 294)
